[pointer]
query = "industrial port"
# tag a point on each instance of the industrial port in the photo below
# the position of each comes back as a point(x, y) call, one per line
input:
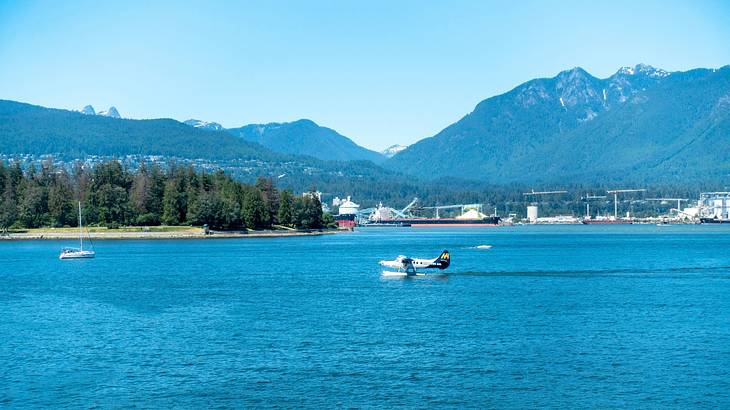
point(709, 208)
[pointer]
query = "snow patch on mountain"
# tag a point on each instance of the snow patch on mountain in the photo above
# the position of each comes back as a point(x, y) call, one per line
point(643, 69)
point(393, 149)
point(206, 125)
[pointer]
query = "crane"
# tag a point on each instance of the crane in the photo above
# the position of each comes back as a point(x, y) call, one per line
point(539, 193)
point(615, 193)
point(533, 217)
point(588, 204)
point(679, 201)
point(402, 212)
point(533, 192)
point(365, 213)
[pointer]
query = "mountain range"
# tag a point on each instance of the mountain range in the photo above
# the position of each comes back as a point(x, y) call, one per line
point(27, 129)
point(640, 125)
point(31, 129)
point(301, 137)
point(305, 137)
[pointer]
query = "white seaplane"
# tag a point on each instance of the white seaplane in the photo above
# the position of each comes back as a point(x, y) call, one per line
point(406, 266)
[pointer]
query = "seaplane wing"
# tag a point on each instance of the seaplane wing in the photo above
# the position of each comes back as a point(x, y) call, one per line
point(411, 265)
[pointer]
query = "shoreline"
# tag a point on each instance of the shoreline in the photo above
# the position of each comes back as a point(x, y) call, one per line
point(141, 235)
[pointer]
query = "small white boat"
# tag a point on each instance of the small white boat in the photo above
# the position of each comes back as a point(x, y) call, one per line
point(77, 253)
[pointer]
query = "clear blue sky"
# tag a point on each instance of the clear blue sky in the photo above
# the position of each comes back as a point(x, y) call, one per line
point(380, 72)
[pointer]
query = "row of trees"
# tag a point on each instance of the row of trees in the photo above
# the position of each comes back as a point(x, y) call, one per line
point(113, 196)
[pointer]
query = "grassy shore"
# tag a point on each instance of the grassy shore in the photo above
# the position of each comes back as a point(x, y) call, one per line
point(153, 232)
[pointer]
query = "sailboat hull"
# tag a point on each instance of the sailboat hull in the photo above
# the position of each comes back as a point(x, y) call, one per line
point(77, 255)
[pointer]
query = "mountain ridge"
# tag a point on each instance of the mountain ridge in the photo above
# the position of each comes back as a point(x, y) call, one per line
point(305, 137)
point(28, 128)
point(551, 129)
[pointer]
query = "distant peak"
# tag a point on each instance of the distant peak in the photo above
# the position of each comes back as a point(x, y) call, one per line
point(305, 121)
point(88, 110)
point(393, 149)
point(275, 125)
point(203, 124)
point(575, 71)
point(643, 69)
point(626, 71)
point(574, 76)
point(111, 112)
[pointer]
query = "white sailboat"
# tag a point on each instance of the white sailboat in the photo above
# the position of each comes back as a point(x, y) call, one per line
point(77, 253)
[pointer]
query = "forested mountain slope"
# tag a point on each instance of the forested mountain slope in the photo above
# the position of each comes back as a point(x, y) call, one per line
point(639, 125)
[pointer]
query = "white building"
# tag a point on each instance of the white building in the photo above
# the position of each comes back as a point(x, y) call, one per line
point(347, 207)
point(714, 205)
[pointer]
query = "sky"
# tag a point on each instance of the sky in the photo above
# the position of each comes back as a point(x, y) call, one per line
point(379, 72)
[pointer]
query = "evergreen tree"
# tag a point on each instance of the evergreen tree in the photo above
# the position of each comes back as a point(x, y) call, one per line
point(308, 211)
point(111, 205)
point(157, 191)
point(328, 221)
point(32, 211)
point(285, 215)
point(270, 196)
point(140, 190)
point(255, 214)
point(61, 208)
point(173, 201)
point(108, 196)
point(206, 209)
point(8, 205)
point(81, 181)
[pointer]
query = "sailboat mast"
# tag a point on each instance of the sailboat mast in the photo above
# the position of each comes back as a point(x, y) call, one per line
point(81, 230)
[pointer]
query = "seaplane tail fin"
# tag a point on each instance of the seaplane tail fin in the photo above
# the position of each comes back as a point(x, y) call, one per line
point(444, 260)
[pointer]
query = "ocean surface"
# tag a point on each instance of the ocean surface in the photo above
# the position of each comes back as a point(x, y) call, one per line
point(551, 316)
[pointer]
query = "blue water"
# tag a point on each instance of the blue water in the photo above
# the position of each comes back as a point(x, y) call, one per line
point(572, 316)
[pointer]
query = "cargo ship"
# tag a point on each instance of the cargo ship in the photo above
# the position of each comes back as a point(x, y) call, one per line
point(437, 222)
point(606, 221)
point(450, 222)
point(714, 221)
point(346, 221)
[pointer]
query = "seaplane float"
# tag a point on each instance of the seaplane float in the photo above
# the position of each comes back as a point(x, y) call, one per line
point(405, 266)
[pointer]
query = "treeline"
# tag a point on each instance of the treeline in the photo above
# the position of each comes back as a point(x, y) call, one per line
point(113, 196)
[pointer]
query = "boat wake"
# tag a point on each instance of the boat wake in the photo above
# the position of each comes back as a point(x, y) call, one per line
point(632, 272)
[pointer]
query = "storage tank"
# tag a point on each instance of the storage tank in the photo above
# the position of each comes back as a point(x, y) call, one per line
point(532, 213)
point(348, 207)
